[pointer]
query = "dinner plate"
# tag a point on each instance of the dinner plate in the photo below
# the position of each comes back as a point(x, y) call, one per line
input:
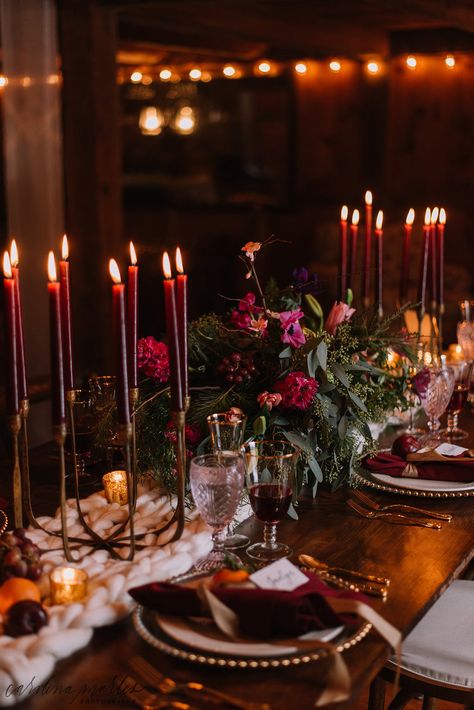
point(414, 486)
point(202, 642)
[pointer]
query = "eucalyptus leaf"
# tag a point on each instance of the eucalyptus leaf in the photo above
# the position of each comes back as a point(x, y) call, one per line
point(292, 512)
point(316, 468)
point(285, 353)
point(322, 352)
point(340, 373)
point(313, 363)
point(327, 387)
point(357, 400)
point(342, 427)
point(281, 421)
point(299, 441)
point(259, 426)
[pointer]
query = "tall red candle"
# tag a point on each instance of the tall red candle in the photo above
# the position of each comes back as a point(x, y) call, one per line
point(58, 402)
point(13, 403)
point(378, 235)
point(424, 262)
point(440, 250)
point(405, 270)
point(132, 318)
point(177, 402)
point(66, 326)
point(120, 344)
point(367, 249)
point(20, 337)
point(182, 315)
point(353, 250)
point(342, 285)
point(432, 260)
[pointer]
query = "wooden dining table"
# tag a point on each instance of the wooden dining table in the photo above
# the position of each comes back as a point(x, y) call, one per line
point(420, 562)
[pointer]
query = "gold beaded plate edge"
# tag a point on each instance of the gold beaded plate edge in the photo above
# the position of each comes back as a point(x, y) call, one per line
point(364, 478)
point(147, 627)
point(3, 521)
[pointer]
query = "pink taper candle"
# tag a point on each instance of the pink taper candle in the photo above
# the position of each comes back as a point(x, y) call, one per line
point(378, 235)
point(424, 262)
point(132, 318)
point(11, 345)
point(353, 250)
point(20, 338)
point(120, 344)
point(440, 243)
point(342, 285)
point(433, 258)
point(405, 270)
point(66, 325)
point(177, 402)
point(182, 315)
point(58, 401)
point(367, 250)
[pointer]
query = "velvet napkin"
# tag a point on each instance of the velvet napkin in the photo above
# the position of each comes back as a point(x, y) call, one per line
point(452, 468)
point(262, 613)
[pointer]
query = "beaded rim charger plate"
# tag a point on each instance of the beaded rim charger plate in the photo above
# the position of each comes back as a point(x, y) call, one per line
point(419, 487)
point(191, 641)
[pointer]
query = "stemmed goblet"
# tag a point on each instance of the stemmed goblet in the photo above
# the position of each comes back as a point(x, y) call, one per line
point(462, 379)
point(83, 433)
point(216, 484)
point(434, 385)
point(270, 475)
point(227, 431)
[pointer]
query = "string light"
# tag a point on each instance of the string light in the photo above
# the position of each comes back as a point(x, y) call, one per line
point(411, 62)
point(373, 67)
point(450, 61)
point(229, 71)
point(136, 77)
point(195, 74)
point(165, 74)
point(264, 67)
point(335, 65)
point(3, 81)
point(301, 68)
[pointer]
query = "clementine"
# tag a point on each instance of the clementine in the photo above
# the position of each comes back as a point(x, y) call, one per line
point(230, 576)
point(17, 589)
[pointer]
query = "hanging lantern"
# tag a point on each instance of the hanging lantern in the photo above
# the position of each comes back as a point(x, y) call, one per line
point(151, 121)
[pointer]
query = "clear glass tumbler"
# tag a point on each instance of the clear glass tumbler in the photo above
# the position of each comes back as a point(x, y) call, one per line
point(462, 380)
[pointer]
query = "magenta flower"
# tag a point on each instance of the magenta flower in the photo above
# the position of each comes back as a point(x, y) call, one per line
point(339, 313)
point(241, 320)
point(271, 399)
point(153, 359)
point(192, 433)
point(292, 331)
point(297, 390)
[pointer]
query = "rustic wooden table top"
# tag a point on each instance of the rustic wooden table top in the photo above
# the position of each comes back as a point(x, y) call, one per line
point(420, 562)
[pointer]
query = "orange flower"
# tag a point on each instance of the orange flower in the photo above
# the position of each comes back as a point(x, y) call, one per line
point(250, 248)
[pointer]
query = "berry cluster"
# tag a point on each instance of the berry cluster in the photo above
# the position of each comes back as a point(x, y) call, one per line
point(238, 367)
point(19, 557)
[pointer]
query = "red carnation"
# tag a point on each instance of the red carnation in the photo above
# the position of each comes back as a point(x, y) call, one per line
point(153, 359)
point(297, 390)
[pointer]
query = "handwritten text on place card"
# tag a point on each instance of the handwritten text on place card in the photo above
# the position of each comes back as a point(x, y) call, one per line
point(450, 450)
point(281, 575)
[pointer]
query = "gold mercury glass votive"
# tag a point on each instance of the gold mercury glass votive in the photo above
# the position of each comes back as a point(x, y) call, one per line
point(115, 487)
point(67, 584)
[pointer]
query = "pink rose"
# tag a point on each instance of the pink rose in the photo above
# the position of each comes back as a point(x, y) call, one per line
point(339, 313)
point(271, 399)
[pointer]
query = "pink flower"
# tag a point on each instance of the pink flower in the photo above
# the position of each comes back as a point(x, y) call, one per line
point(153, 359)
point(271, 399)
point(192, 435)
point(241, 320)
point(297, 390)
point(292, 331)
point(339, 313)
point(259, 325)
point(248, 316)
point(234, 414)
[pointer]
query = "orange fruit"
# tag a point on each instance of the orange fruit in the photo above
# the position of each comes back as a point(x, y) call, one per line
point(17, 589)
point(230, 576)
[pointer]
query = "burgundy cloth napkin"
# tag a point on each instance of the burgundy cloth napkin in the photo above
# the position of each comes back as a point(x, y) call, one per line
point(262, 613)
point(447, 470)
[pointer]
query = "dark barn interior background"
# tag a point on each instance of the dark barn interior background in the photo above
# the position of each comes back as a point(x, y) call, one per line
point(275, 154)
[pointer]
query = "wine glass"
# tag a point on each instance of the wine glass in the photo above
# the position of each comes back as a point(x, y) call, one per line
point(411, 370)
point(216, 484)
point(83, 421)
point(270, 474)
point(102, 389)
point(227, 432)
point(434, 385)
point(462, 380)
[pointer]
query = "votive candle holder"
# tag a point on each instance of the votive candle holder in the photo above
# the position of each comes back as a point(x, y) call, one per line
point(67, 585)
point(116, 487)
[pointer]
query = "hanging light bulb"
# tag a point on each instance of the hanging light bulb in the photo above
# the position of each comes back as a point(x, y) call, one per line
point(450, 61)
point(151, 121)
point(411, 62)
point(335, 65)
point(229, 71)
point(301, 68)
point(373, 67)
point(165, 74)
point(136, 77)
point(195, 74)
point(3, 81)
point(185, 121)
point(264, 67)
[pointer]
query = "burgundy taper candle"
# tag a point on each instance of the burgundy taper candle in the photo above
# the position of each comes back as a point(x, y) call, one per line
point(66, 325)
point(405, 268)
point(11, 346)
point(433, 258)
point(182, 315)
point(20, 336)
point(424, 261)
point(342, 285)
point(440, 250)
point(120, 344)
point(132, 318)
point(378, 235)
point(354, 228)
point(367, 249)
point(58, 401)
point(177, 402)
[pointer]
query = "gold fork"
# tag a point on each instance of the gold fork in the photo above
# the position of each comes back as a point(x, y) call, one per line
point(364, 498)
point(149, 701)
point(396, 518)
point(309, 561)
point(152, 676)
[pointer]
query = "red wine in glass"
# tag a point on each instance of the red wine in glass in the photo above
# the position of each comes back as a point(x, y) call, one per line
point(458, 399)
point(270, 501)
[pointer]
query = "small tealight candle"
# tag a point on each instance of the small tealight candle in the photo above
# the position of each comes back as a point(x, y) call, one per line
point(67, 585)
point(115, 487)
point(455, 353)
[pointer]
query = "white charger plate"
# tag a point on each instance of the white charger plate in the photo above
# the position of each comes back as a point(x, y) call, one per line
point(414, 486)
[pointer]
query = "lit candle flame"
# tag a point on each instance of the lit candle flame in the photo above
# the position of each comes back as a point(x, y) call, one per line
point(65, 249)
point(355, 218)
point(434, 215)
point(179, 261)
point(410, 216)
point(14, 254)
point(427, 217)
point(442, 216)
point(133, 255)
point(379, 220)
point(166, 266)
point(114, 271)
point(368, 198)
point(68, 574)
point(51, 267)
point(7, 267)
point(344, 213)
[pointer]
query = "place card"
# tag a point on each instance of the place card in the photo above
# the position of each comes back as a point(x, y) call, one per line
point(450, 449)
point(281, 575)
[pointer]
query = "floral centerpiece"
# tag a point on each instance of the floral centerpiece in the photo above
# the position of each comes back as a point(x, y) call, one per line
point(316, 381)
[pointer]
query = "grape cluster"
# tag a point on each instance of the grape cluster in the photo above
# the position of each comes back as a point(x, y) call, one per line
point(238, 367)
point(19, 556)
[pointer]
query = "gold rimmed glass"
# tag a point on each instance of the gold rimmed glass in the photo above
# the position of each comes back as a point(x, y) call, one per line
point(462, 379)
point(270, 476)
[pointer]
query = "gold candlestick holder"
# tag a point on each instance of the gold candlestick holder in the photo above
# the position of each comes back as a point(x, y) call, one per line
point(14, 424)
point(134, 397)
point(59, 436)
